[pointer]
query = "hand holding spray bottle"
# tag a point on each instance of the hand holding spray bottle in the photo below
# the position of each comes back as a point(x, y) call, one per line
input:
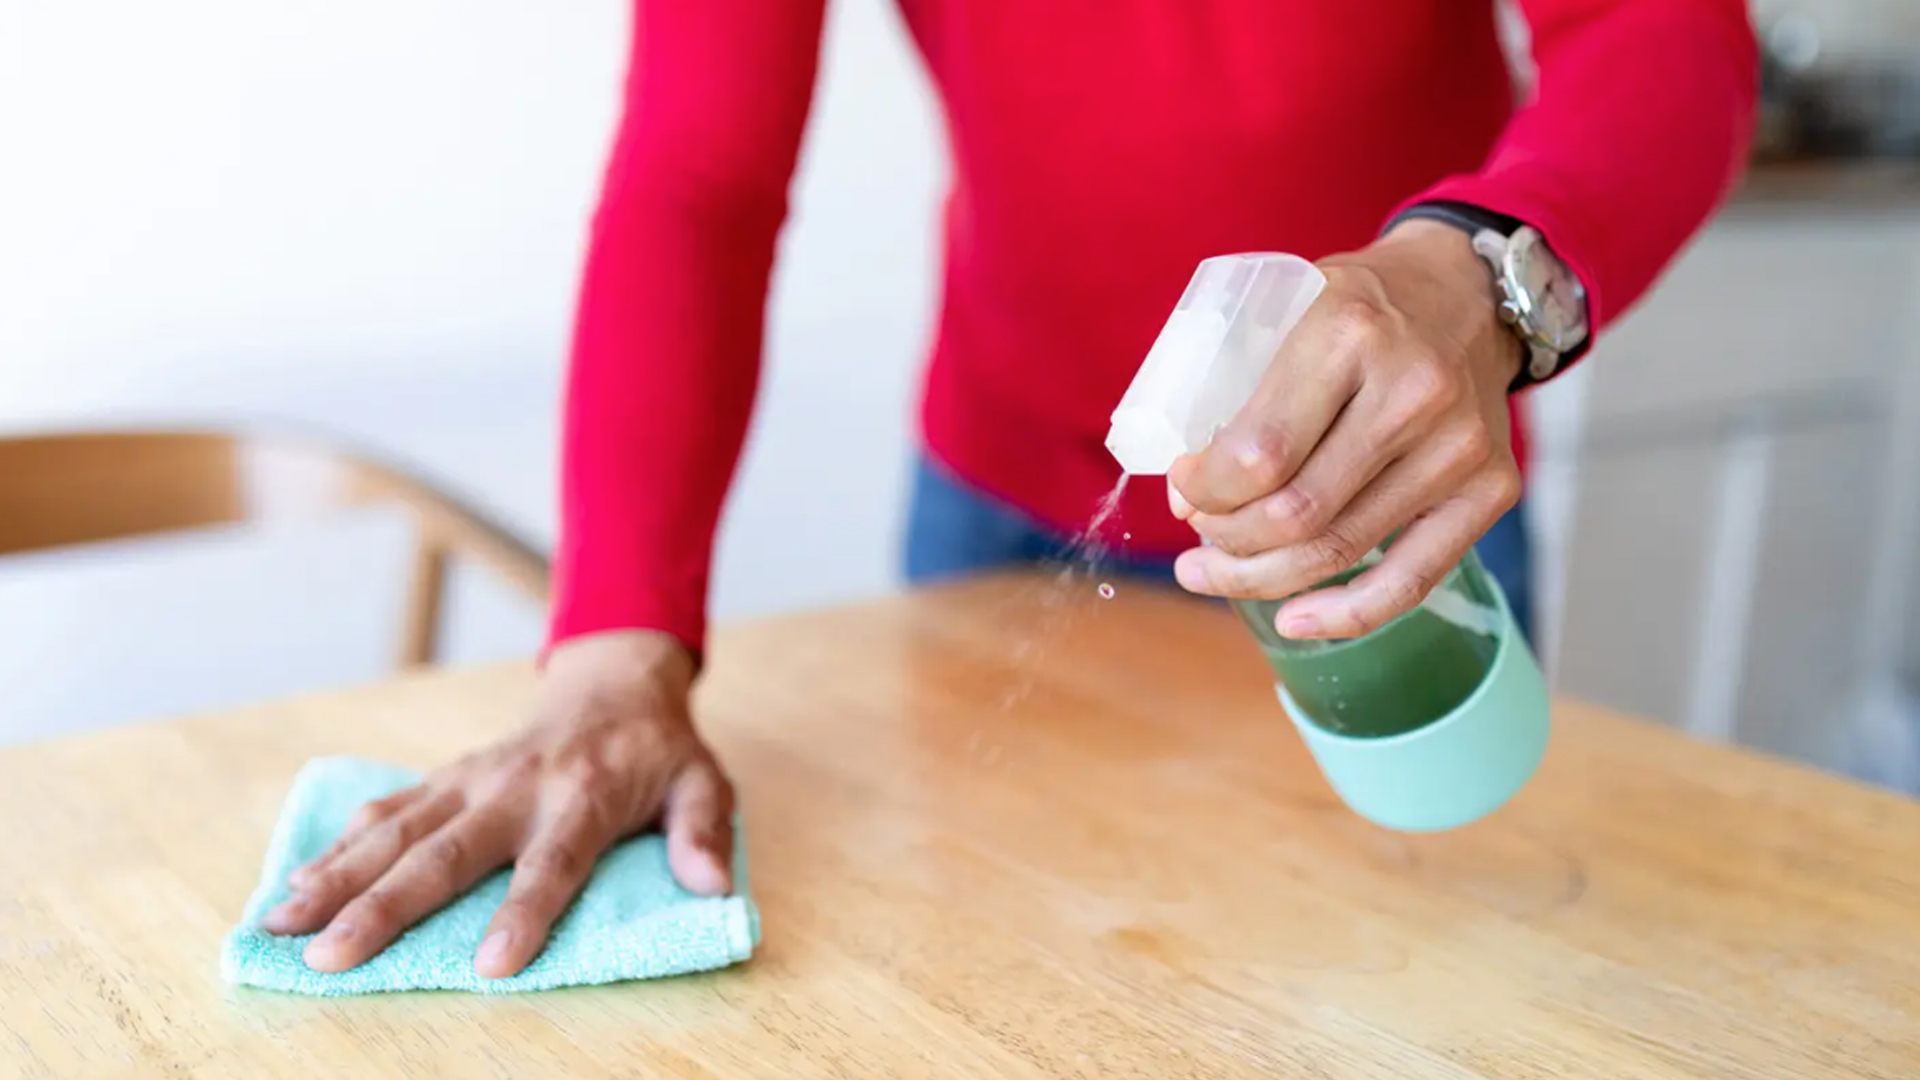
point(1429, 722)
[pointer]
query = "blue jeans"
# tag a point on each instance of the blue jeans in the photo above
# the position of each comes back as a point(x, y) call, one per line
point(953, 530)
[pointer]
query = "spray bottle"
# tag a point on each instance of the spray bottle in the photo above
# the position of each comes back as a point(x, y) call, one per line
point(1429, 722)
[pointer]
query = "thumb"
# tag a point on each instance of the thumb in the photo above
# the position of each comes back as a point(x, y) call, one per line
point(699, 828)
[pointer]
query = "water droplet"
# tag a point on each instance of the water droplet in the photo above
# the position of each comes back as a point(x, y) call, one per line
point(1106, 590)
point(1336, 678)
point(1126, 536)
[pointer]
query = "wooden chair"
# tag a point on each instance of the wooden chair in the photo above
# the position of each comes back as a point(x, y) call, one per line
point(64, 489)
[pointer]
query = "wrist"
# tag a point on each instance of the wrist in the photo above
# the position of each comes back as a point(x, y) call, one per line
point(1540, 296)
point(655, 658)
point(1448, 253)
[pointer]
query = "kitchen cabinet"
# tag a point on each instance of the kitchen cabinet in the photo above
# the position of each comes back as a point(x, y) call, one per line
point(1736, 538)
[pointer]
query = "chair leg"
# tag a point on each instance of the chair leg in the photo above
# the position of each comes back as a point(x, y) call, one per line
point(420, 635)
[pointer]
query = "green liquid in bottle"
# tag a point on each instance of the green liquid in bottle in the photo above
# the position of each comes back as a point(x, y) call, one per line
point(1405, 675)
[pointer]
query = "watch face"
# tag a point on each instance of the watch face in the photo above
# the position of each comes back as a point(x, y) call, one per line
point(1552, 302)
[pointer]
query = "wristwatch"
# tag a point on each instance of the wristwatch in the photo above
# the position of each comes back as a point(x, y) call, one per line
point(1541, 298)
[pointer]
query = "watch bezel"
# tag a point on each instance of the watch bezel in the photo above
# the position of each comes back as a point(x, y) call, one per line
point(1527, 267)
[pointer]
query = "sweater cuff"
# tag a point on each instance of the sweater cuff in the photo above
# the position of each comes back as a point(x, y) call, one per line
point(578, 612)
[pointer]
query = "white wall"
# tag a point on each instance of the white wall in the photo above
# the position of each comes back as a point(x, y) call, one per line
point(1848, 31)
point(367, 217)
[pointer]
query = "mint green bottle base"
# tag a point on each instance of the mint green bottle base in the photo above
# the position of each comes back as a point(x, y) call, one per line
point(1454, 770)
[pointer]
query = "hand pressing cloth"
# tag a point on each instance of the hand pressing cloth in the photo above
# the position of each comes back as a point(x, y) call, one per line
point(631, 921)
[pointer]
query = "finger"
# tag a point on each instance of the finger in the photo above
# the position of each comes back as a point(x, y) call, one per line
point(366, 817)
point(1176, 502)
point(699, 826)
point(546, 878)
point(1409, 487)
point(435, 870)
point(355, 869)
point(1313, 375)
point(1375, 429)
point(1418, 561)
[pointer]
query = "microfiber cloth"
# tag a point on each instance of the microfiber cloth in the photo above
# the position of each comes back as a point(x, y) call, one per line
point(632, 921)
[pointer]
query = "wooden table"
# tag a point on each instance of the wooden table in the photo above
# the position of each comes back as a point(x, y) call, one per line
point(1011, 831)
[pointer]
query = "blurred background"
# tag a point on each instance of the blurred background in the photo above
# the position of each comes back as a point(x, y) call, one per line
point(366, 219)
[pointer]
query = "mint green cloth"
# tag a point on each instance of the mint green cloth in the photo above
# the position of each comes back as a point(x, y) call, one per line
point(632, 921)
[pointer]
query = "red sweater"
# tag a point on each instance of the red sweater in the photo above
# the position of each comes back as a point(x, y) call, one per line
point(1100, 149)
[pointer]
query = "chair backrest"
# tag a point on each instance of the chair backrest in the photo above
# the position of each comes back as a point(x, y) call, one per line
point(85, 487)
point(61, 490)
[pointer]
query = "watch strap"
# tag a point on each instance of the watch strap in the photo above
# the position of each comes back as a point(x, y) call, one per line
point(1466, 217)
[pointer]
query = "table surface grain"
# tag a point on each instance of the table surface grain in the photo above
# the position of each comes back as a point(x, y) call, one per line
point(1008, 830)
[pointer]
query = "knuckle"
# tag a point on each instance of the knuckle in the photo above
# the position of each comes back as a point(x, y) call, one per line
point(1229, 541)
point(1228, 577)
point(1331, 552)
point(377, 908)
point(1363, 622)
point(445, 856)
point(371, 814)
point(1471, 446)
point(1273, 446)
point(514, 772)
point(395, 834)
point(651, 739)
point(1506, 489)
point(587, 776)
point(1228, 544)
point(1358, 325)
point(324, 881)
point(1300, 508)
point(598, 812)
point(515, 911)
point(520, 757)
point(314, 865)
point(1404, 591)
point(409, 829)
point(560, 861)
point(1425, 388)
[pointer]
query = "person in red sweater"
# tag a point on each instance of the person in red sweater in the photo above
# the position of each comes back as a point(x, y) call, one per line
point(1100, 149)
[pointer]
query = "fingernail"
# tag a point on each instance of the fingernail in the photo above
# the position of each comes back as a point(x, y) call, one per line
point(283, 915)
point(1300, 625)
point(1178, 503)
point(722, 877)
point(493, 951)
point(1190, 574)
point(707, 874)
point(322, 952)
point(336, 934)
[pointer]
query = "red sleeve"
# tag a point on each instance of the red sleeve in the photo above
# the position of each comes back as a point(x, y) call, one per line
point(1638, 129)
point(665, 357)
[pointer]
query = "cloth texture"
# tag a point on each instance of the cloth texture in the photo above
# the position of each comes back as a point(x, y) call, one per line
point(632, 921)
point(953, 530)
point(1098, 153)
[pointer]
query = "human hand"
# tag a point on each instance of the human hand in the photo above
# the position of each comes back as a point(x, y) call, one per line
point(612, 750)
point(1385, 409)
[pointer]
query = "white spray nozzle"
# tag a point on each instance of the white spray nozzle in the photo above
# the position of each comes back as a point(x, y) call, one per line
point(1209, 357)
